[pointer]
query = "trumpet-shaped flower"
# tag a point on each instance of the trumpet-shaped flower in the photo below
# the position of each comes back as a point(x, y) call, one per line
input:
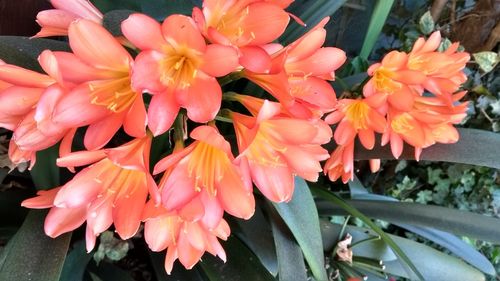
point(393, 82)
point(178, 67)
point(242, 22)
point(55, 22)
point(203, 175)
point(341, 163)
point(113, 190)
point(273, 149)
point(185, 240)
point(104, 98)
point(356, 118)
point(442, 69)
point(298, 73)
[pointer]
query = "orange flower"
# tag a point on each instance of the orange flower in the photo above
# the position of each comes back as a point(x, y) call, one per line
point(203, 175)
point(356, 117)
point(430, 121)
point(103, 98)
point(178, 67)
point(113, 190)
point(55, 22)
point(393, 83)
point(185, 240)
point(273, 149)
point(298, 73)
point(443, 69)
point(341, 163)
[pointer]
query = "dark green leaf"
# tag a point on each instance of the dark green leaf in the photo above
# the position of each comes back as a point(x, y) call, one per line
point(257, 235)
point(109, 5)
point(241, 264)
point(31, 255)
point(446, 219)
point(475, 147)
point(23, 51)
point(45, 173)
point(107, 271)
point(456, 245)
point(377, 21)
point(311, 16)
point(348, 208)
point(75, 263)
point(290, 259)
point(433, 264)
point(160, 9)
point(301, 217)
point(112, 21)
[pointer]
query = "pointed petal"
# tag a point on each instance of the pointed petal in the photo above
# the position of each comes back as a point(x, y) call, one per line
point(234, 197)
point(146, 72)
point(128, 208)
point(162, 112)
point(183, 31)
point(135, 120)
point(96, 46)
point(203, 99)
point(255, 59)
point(219, 60)
point(62, 220)
point(100, 133)
point(143, 31)
point(276, 183)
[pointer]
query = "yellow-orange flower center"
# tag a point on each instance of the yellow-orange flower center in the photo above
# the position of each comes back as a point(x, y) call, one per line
point(207, 165)
point(180, 65)
point(357, 114)
point(383, 81)
point(264, 148)
point(401, 124)
point(115, 94)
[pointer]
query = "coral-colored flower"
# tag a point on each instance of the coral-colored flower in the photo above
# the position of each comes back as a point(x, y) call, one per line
point(185, 240)
point(273, 149)
point(113, 190)
point(341, 163)
point(104, 98)
point(178, 67)
point(203, 174)
point(430, 121)
point(356, 117)
point(444, 70)
point(393, 82)
point(242, 22)
point(55, 22)
point(298, 73)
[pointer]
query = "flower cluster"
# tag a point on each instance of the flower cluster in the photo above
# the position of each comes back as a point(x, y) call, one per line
point(412, 98)
point(173, 76)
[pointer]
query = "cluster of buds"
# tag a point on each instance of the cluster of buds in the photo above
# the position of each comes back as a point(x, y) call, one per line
point(168, 77)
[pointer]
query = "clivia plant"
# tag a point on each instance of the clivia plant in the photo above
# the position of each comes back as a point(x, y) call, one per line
point(200, 132)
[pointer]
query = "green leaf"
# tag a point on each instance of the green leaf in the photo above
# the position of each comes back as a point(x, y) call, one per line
point(291, 264)
point(426, 23)
point(377, 21)
point(433, 264)
point(23, 51)
point(112, 21)
point(318, 10)
point(75, 263)
point(451, 242)
point(257, 235)
point(475, 147)
point(107, 271)
point(32, 254)
point(109, 5)
point(352, 210)
point(45, 173)
point(301, 217)
point(447, 219)
point(160, 9)
point(241, 264)
point(486, 60)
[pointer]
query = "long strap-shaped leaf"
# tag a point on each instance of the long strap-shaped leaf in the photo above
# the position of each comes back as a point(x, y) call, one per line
point(475, 147)
point(447, 219)
point(341, 204)
point(377, 21)
point(301, 217)
point(31, 255)
point(311, 16)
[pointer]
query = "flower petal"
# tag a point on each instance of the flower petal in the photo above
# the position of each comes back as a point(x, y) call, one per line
point(143, 31)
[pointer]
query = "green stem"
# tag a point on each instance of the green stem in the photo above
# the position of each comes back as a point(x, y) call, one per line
point(231, 77)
